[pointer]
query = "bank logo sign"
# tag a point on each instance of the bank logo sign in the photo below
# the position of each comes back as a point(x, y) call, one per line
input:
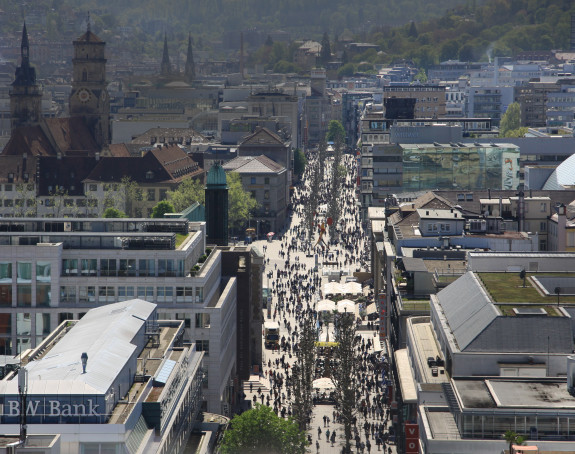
point(52, 408)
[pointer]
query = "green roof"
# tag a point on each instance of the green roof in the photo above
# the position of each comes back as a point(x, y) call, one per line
point(216, 176)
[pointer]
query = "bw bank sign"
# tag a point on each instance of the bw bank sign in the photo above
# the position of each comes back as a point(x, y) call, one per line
point(51, 408)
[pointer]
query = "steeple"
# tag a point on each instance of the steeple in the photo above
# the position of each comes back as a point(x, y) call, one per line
point(190, 70)
point(166, 67)
point(25, 95)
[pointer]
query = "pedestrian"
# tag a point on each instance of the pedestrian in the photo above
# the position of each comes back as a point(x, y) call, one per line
point(327, 435)
point(318, 431)
point(317, 446)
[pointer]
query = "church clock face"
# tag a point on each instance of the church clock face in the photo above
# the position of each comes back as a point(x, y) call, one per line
point(84, 95)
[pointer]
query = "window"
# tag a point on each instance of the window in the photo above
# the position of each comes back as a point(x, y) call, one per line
point(166, 268)
point(43, 295)
point(165, 294)
point(266, 180)
point(93, 187)
point(87, 294)
point(69, 267)
point(8, 202)
point(6, 272)
point(184, 294)
point(266, 195)
point(125, 293)
point(68, 294)
point(543, 226)
point(42, 324)
point(163, 194)
point(5, 297)
point(203, 346)
point(89, 267)
point(253, 180)
point(127, 267)
point(146, 293)
point(543, 207)
point(199, 294)
point(108, 267)
point(24, 295)
point(43, 271)
point(202, 320)
point(24, 271)
point(151, 195)
point(147, 268)
point(106, 294)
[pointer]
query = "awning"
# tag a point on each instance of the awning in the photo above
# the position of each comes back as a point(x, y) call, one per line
point(346, 306)
point(323, 383)
point(326, 305)
point(371, 309)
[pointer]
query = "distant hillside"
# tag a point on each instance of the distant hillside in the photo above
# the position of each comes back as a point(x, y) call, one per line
point(475, 33)
point(212, 18)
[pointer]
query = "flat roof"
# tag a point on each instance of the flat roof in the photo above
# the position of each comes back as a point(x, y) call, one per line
point(425, 347)
point(514, 393)
point(406, 378)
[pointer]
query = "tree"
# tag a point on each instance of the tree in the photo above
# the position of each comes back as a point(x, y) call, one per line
point(259, 431)
point(335, 131)
point(240, 202)
point(303, 371)
point(325, 53)
point(346, 70)
point(513, 439)
point(186, 194)
point(299, 162)
point(413, 30)
point(345, 373)
point(511, 119)
point(161, 208)
point(112, 212)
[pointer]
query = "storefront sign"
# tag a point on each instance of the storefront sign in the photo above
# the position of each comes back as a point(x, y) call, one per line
point(54, 408)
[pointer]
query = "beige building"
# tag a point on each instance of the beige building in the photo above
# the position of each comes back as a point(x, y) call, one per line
point(429, 99)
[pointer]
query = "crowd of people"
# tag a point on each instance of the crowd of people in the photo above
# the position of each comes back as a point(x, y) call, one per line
point(296, 287)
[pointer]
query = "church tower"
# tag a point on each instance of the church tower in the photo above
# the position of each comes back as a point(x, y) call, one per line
point(190, 70)
point(89, 98)
point(25, 95)
point(166, 67)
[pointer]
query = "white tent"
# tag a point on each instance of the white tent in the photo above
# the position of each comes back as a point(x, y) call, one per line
point(323, 383)
point(326, 305)
point(332, 288)
point(352, 288)
point(346, 306)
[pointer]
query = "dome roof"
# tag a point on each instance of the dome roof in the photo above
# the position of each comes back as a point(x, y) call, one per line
point(216, 176)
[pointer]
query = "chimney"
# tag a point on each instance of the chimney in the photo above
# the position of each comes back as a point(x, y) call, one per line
point(561, 227)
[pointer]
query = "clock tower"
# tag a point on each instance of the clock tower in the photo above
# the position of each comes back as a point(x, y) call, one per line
point(89, 97)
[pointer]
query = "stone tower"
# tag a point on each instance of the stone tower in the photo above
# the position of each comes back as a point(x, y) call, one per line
point(89, 98)
point(25, 95)
point(190, 70)
point(166, 66)
point(217, 206)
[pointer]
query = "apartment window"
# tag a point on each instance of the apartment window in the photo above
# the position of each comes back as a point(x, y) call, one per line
point(125, 293)
point(5, 296)
point(8, 203)
point(43, 295)
point(199, 294)
point(24, 272)
point(266, 195)
point(151, 195)
point(127, 267)
point(87, 294)
point(147, 268)
point(543, 207)
point(93, 187)
point(24, 295)
point(543, 226)
point(253, 180)
point(108, 267)
point(42, 324)
point(266, 180)
point(163, 194)
point(8, 188)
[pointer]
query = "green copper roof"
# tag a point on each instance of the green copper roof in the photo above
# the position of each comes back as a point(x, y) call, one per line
point(216, 176)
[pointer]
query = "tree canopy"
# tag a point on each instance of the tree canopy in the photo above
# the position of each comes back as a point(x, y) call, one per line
point(240, 202)
point(113, 212)
point(187, 193)
point(162, 208)
point(335, 131)
point(299, 162)
point(511, 120)
point(261, 431)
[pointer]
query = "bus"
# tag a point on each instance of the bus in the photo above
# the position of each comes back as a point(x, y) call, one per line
point(272, 335)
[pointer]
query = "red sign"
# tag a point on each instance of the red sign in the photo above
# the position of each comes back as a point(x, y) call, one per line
point(382, 317)
point(412, 445)
point(411, 431)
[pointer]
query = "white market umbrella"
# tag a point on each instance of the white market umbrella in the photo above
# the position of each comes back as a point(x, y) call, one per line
point(346, 306)
point(326, 305)
point(323, 383)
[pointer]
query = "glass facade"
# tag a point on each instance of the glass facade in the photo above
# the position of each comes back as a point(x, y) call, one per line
point(427, 166)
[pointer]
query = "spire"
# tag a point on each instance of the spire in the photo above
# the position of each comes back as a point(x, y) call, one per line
point(88, 23)
point(190, 70)
point(25, 47)
point(165, 68)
